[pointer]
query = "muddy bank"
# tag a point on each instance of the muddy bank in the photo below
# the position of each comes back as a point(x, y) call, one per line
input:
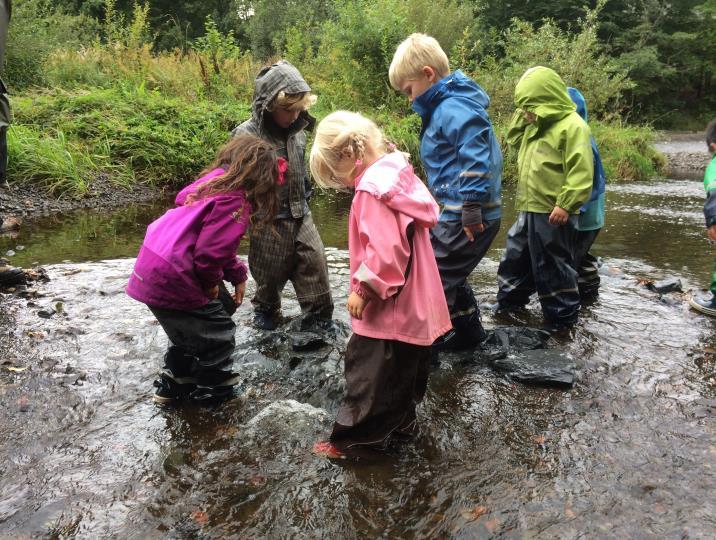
point(28, 201)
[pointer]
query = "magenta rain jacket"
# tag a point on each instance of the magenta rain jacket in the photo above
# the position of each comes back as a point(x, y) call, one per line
point(191, 248)
point(388, 199)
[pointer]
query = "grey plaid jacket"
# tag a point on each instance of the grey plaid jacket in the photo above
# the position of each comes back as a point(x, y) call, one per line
point(291, 144)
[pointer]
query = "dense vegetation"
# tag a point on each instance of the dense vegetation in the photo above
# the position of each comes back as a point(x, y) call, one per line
point(146, 92)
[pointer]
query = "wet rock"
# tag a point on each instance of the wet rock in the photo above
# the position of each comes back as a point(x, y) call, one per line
point(10, 275)
point(285, 424)
point(549, 367)
point(504, 340)
point(306, 341)
point(46, 313)
point(665, 285)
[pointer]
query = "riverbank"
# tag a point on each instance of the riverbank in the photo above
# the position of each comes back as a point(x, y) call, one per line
point(28, 201)
point(685, 152)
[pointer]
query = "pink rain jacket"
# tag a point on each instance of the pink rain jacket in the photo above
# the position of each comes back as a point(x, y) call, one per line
point(389, 198)
point(191, 248)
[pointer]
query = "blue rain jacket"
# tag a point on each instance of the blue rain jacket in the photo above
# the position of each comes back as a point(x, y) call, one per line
point(591, 215)
point(458, 147)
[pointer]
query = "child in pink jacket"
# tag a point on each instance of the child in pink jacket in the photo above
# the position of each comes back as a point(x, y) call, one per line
point(397, 303)
point(189, 252)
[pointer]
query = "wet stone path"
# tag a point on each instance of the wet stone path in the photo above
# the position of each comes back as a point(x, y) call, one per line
point(628, 452)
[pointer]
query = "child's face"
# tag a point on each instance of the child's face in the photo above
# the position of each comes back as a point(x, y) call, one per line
point(712, 147)
point(529, 117)
point(284, 117)
point(412, 88)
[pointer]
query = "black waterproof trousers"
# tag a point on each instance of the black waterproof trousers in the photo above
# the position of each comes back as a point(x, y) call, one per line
point(540, 257)
point(385, 380)
point(586, 264)
point(457, 257)
point(202, 341)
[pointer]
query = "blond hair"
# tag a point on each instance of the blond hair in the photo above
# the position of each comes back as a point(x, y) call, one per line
point(342, 136)
point(412, 55)
point(292, 102)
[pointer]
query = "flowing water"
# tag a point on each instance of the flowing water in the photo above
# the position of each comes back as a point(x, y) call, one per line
point(628, 452)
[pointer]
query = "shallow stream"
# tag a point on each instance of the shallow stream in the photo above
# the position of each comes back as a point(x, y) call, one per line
point(628, 452)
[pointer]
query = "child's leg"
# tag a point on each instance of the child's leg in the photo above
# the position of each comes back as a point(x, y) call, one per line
point(384, 379)
point(552, 249)
point(270, 258)
point(206, 337)
point(713, 280)
point(586, 264)
point(309, 275)
point(514, 275)
point(456, 258)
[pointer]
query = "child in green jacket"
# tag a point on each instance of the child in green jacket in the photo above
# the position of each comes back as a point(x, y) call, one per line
point(555, 170)
point(708, 305)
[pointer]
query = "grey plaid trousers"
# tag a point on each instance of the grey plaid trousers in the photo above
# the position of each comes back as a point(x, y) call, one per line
point(291, 250)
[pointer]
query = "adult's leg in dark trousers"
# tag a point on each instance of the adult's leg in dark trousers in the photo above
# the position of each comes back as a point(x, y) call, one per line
point(309, 274)
point(586, 264)
point(552, 250)
point(271, 251)
point(514, 275)
point(381, 390)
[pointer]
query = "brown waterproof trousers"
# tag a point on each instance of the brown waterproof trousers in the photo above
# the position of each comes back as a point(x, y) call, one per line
point(385, 380)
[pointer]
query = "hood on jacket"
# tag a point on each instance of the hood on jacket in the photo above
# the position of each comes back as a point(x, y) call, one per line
point(456, 84)
point(542, 92)
point(270, 81)
point(392, 180)
point(578, 99)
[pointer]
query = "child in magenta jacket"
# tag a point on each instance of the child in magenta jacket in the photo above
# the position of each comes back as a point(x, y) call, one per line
point(187, 254)
point(397, 303)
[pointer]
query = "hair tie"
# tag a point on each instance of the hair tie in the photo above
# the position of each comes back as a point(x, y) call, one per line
point(282, 166)
point(359, 162)
point(391, 147)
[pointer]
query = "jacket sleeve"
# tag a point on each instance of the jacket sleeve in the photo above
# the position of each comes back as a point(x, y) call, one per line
point(710, 208)
point(578, 169)
point(216, 245)
point(235, 271)
point(385, 244)
point(470, 134)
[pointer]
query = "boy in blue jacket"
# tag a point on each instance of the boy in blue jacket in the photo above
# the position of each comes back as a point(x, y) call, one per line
point(463, 162)
point(591, 216)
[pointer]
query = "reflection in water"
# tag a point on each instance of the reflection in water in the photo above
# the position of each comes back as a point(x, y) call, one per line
point(627, 452)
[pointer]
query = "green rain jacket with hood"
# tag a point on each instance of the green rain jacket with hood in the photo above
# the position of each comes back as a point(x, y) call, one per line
point(555, 162)
point(290, 143)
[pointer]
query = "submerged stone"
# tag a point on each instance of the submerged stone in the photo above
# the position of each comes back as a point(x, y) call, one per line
point(665, 286)
point(549, 367)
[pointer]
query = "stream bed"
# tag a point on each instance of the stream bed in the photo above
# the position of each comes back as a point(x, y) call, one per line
point(628, 452)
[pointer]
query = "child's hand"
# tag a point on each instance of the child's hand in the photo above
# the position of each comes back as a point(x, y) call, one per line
point(711, 231)
point(239, 292)
point(356, 304)
point(470, 231)
point(559, 216)
point(212, 292)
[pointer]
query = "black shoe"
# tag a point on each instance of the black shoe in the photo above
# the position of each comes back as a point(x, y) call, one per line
point(168, 390)
point(707, 306)
point(264, 320)
point(212, 395)
point(557, 327)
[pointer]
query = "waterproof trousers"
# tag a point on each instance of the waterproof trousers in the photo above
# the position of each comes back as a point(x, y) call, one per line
point(586, 264)
point(201, 341)
point(456, 258)
point(713, 280)
point(540, 257)
point(290, 250)
point(385, 380)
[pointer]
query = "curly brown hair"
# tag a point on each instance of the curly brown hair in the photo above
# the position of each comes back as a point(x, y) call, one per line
point(251, 164)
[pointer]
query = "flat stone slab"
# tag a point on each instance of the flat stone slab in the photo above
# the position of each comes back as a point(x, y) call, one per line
point(549, 367)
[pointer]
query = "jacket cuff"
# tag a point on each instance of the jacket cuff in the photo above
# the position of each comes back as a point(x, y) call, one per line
point(361, 291)
point(471, 213)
